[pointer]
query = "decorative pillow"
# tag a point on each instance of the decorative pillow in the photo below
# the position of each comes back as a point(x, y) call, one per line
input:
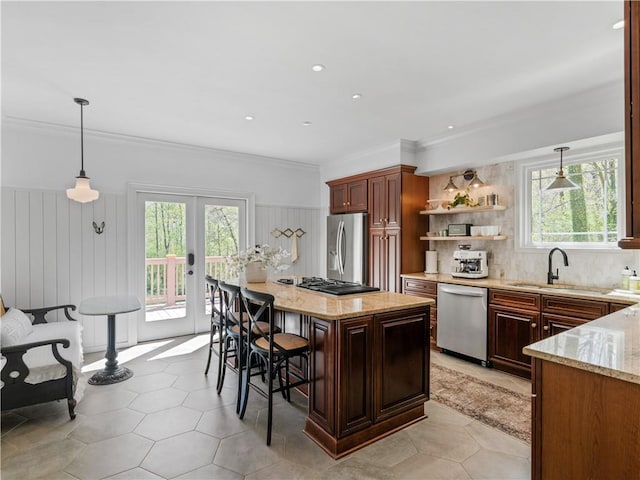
point(14, 326)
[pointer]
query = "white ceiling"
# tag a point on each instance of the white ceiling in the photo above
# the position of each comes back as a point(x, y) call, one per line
point(190, 72)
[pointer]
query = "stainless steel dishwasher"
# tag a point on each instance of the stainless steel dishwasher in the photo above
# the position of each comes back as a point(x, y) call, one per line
point(462, 320)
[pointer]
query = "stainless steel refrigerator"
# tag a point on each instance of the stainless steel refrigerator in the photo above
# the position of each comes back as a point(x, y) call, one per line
point(347, 252)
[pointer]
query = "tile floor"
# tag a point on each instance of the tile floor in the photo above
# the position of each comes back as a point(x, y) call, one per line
point(168, 422)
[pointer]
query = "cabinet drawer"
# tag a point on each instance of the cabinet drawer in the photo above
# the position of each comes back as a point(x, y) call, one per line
point(510, 298)
point(420, 287)
point(574, 307)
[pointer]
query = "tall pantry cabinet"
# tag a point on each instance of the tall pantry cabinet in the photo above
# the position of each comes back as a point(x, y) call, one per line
point(395, 196)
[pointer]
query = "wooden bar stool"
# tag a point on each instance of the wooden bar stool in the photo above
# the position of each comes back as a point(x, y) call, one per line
point(216, 320)
point(272, 349)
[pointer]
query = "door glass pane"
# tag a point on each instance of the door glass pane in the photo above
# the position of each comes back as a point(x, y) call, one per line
point(165, 238)
point(221, 230)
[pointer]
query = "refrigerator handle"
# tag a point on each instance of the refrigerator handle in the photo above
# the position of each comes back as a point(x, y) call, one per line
point(343, 249)
point(339, 247)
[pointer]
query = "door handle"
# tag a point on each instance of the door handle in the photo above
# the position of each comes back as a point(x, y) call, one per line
point(190, 260)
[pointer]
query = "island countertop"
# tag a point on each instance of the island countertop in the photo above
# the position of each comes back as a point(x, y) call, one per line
point(608, 346)
point(329, 307)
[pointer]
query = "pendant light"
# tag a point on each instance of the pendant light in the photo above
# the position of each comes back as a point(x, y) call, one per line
point(82, 192)
point(561, 183)
point(451, 187)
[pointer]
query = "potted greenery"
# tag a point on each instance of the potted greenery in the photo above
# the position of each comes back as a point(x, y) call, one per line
point(255, 261)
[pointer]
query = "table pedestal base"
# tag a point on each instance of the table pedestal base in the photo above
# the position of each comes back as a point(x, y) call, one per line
point(107, 378)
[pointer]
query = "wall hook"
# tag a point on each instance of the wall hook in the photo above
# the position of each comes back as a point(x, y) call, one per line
point(98, 229)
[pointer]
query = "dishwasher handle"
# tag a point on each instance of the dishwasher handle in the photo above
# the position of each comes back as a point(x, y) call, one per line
point(464, 293)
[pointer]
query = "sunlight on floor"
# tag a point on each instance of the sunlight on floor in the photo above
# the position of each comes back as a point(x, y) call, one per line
point(185, 348)
point(128, 354)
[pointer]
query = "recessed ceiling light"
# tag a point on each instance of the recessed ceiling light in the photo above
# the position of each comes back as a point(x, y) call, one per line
point(318, 67)
point(450, 127)
point(249, 117)
point(618, 25)
point(306, 124)
point(356, 96)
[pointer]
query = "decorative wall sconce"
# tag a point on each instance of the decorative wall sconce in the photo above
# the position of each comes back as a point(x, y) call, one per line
point(82, 192)
point(470, 175)
point(561, 183)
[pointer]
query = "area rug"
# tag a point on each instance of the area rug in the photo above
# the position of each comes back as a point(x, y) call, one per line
point(490, 404)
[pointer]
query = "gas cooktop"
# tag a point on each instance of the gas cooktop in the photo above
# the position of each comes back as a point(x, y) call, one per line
point(334, 287)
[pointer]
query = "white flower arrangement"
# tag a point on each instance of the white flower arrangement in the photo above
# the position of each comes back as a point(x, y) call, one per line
point(269, 257)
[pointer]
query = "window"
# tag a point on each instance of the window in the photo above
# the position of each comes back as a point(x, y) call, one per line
point(588, 217)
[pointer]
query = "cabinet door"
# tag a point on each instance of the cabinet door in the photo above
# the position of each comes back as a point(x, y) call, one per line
point(377, 200)
point(357, 196)
point(377, 259)
point(398, 387)
point(393, 214)
point(554, 324)
point(392, 246)
point(338, 198)
point(355, 375)
point(510, 330)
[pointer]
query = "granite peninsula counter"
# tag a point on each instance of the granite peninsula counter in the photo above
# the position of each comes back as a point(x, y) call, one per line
point(369, 361)
point(586, 400)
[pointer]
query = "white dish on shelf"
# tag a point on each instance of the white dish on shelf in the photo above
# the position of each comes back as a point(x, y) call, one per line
point(436, 204)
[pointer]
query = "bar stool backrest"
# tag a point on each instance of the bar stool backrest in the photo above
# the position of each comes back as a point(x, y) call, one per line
point(259, 308)
point(230, 305)
point(214, 296)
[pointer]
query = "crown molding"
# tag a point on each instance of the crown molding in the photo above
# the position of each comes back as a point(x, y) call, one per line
point(119, 137)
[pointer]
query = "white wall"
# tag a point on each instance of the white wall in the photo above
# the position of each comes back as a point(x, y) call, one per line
point(50, 253)
point(589, 114)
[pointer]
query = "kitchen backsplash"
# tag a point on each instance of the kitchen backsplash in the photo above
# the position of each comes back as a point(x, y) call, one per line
point(592, 268)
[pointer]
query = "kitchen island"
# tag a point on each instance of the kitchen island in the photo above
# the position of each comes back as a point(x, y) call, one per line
point(369, 362)
point(586, 400)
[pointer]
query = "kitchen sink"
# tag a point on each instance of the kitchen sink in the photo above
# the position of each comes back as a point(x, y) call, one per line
point(558, 288)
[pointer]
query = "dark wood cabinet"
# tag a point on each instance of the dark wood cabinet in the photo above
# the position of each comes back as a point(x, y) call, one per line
point(347, 197)
point(369, 377)
point(585, 425)
point(393, 197)
point(517, 319)
point(400, 384)
point(632, 124)
point(355, 375)
point(514, 319)
point(428, 289)
point(384, 258)
point(384, 201)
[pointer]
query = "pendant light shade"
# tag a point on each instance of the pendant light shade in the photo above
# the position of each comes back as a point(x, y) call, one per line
point(475, 181)
point(82, 191)
point(451, 187)
point(561, 183)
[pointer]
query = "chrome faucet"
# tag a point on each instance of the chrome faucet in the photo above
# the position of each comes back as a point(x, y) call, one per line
point(550, 276)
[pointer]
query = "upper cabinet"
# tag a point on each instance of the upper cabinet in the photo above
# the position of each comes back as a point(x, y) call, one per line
point(632, 123)
point(348, 196)
point(384, 201)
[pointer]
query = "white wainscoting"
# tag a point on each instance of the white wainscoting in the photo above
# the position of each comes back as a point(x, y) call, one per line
point(52, 256)
point(310, 245)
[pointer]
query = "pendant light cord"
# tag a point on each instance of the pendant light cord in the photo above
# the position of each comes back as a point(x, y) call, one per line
point(82, 174)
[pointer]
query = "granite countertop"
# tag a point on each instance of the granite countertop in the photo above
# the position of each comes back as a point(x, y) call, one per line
point(560, 289)
point(290, 298)
point(608, 346)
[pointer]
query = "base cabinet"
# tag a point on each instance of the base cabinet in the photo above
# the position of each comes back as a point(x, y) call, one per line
point(370, 377)
point(585, 425)
point(518, 319)
point(428, 289)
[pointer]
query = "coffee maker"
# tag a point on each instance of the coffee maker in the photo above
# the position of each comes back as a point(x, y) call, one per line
point(470, 264)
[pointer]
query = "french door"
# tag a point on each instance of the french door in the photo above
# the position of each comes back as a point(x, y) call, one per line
point(179, 239)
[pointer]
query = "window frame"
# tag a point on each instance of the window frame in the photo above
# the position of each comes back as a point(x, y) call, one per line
point(523, 183)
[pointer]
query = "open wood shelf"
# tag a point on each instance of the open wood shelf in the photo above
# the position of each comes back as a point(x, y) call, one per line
point(465, 238)
point(462, 209)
